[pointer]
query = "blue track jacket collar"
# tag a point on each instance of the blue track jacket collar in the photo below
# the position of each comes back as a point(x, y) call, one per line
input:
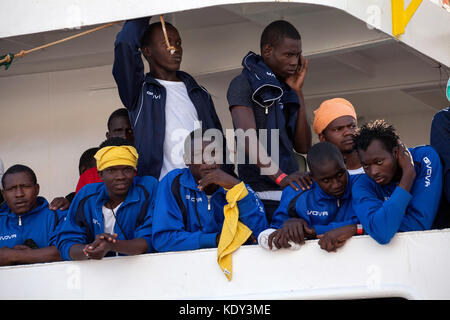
point(38, 224)
point(41, 203)
point(267, 89)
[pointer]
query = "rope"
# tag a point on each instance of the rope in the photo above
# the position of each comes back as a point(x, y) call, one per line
point(170, 48)
point(6, 60)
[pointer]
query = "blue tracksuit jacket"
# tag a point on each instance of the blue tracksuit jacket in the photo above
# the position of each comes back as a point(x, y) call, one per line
point(40, 224)
point(385, 210)
point(204, 218)
point(320, 210)
point(85, 217)
point(145, 98)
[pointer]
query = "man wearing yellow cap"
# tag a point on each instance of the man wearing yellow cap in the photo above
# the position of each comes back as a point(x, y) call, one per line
point(114, 216)
point(335, 122)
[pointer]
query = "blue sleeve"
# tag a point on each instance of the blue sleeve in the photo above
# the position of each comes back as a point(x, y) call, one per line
point(128, 68)
point(69, 232)
point(281, 213)
point(252, 213)
point(144, 230)
point(169, 231)
point(380, 219)
point(55, 225)
point(426, 192)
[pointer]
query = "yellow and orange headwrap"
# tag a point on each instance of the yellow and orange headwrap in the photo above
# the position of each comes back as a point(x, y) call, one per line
point(330, 110)
point(116, 156)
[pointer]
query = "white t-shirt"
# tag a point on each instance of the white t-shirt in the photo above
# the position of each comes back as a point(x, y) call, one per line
point(352, 172)
point(109, 219)
point(181, 120)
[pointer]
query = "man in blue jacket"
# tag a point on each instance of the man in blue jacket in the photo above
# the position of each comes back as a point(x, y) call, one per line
point(325, 210)
point(189, 208)
point(402, 187)
point(111, 217)
point(27, 225)
point(164, 105)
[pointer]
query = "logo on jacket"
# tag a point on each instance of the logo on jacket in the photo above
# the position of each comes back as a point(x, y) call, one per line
point(429, 171)
point(192, 199)
point(154, 96)
point(316, 213)
point(8, 237)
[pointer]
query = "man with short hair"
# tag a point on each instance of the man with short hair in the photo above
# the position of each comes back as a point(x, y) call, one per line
point(112, 217)
point(164, 105)
point(402, 187)
point(268, 95)
point(27, 225)
point(191, 202)
point(335, 121)
point(119, 125)
point(324, 211)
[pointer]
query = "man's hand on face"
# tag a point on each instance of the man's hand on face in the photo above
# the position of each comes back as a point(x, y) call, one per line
point(405, 160)
point(218, 177)
point(296, 80)
point(406, 163)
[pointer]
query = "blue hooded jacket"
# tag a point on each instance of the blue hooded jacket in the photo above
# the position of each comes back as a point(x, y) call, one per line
point(40, 224)
point(319, 209)
point(85, 217)
point(145, 98)
point(386, 210)
point(204, 218)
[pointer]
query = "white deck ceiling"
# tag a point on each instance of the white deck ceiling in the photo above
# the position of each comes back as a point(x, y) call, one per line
point(346, 57)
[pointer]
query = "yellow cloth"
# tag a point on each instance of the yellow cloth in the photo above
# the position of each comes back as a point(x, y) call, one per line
point(116, 156)
point(234, 233)
point(329, 111)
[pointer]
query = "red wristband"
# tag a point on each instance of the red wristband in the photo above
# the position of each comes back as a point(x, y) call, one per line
point(84, 251)
point(281, 177)
point(359, 229)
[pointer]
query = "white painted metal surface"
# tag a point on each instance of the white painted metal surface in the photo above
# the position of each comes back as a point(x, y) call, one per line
point(414, 265)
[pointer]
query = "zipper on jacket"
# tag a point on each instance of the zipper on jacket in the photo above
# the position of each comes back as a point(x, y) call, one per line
point(20, 221)
point(209, 203)
point(338, 203)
